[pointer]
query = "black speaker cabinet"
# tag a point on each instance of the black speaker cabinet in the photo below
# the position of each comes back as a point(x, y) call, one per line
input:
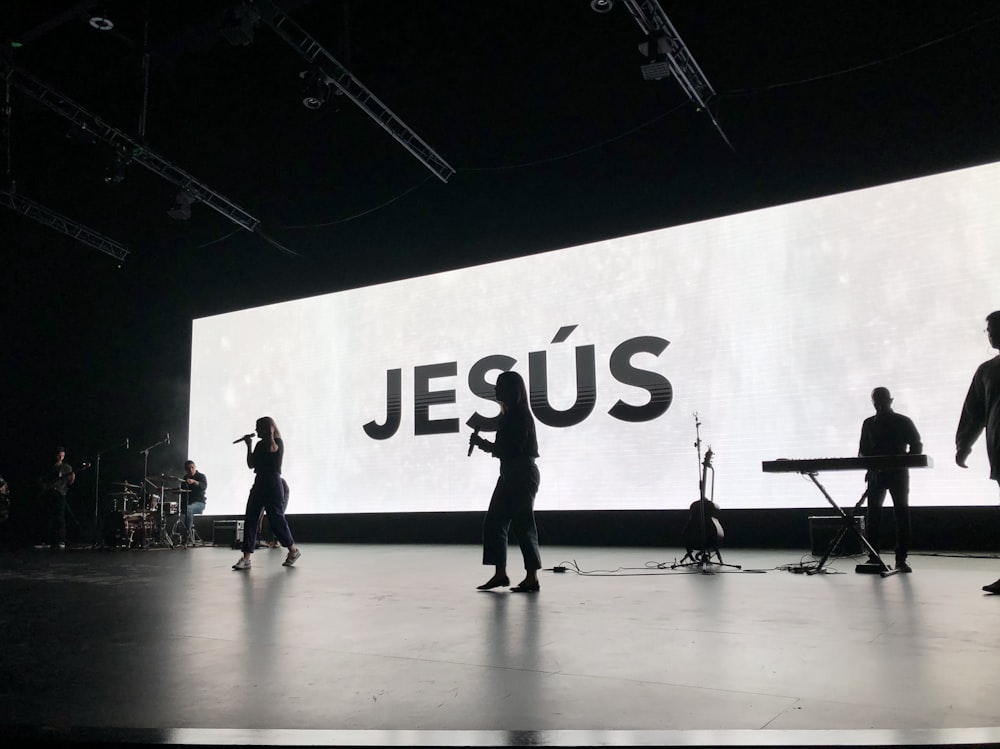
point(227, 533)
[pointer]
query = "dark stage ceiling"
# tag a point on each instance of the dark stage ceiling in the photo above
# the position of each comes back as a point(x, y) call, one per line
point(539, 107)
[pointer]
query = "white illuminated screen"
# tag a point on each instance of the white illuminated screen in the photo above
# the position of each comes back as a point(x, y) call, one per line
point(779, 321)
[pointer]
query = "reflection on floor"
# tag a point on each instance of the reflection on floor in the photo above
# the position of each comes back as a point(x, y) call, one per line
point(393, 645)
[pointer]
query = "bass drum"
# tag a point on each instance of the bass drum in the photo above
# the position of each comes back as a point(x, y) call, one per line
point(138, 531)
point(113, 530)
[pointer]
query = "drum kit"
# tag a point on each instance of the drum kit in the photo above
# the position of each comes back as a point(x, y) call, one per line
point(138, 518)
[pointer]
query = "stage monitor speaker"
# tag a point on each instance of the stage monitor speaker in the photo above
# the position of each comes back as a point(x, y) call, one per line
point(823, 528)
point(227, 533)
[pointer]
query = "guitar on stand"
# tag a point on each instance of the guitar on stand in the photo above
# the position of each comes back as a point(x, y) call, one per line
point(703, 532)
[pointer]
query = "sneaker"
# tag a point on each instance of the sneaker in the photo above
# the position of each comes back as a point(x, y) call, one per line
point(292, 557)
point(992, 587)
point(242, 564)
point(902, 566)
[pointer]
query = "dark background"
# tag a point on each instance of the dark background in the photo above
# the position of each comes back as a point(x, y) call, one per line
point(539, 107)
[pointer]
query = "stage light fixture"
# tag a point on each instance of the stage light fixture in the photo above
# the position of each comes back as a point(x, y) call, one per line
point(655, 49)
point(119, 163)
point(602, 6)
point(101, 21)
point(317, 88)
point(181, 209)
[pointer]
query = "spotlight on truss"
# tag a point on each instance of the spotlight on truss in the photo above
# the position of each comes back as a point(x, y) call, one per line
point(239, 24)
point(655, 49)
point(181, 209)
point(101, 21)
point(119, 164)
point(317, 88)
point(602, 6)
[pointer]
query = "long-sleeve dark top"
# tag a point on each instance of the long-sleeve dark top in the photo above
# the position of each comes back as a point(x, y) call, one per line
point(197, 492)
point(889, 433)
point(264, 461)
point(516, 435)
point(980, 411)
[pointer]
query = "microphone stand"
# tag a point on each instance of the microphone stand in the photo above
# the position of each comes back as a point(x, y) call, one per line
point(164, 539)
point(97, 487)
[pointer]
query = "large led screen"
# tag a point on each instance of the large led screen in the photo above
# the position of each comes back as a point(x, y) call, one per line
point(772, 326)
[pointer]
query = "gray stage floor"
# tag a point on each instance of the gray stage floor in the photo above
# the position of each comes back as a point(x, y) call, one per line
point(393, 645)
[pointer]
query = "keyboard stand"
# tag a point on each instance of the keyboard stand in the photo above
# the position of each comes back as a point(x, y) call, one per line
point(847, 524)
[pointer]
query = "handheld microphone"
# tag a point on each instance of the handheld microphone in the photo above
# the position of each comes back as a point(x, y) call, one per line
point(126, 443)
point(241, 439)
point(474, 433)
point(168, 438)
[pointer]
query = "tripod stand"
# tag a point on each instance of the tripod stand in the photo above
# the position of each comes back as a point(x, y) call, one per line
point(162, 538)
point(703, 517)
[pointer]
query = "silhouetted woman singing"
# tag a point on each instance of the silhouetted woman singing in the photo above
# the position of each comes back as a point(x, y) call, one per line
point(513, 502)
point(267, 493)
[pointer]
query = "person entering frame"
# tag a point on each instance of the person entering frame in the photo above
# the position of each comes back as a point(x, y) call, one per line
point(512, 504)
point(265, 460)
point(981, 412)
point(196, 483)
point(889, 433)
point(55, 485)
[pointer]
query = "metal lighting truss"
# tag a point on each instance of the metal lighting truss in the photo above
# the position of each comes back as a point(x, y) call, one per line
point(70, 110)
point(654, 22)
point(60, 223)
point(351, 87)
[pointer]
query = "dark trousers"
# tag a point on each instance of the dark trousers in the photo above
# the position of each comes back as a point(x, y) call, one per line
point(897, 484)
point(512, 508)
point(263, 527)
point(267, 495)
point(55, 508)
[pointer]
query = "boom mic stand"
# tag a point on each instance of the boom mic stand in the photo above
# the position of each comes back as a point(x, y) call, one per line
point(703, 557)
point(97, 488)
point(162, 537)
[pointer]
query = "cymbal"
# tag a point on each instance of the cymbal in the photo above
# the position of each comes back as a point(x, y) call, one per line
point(126, 484)
point(162, 479)
point(176, 491)
point(123, 494)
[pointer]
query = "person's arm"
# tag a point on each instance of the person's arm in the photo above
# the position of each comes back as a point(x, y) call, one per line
point(482, 443)
point(972, 421)
point(865, 443)
point(249, 441)
point(914, 441)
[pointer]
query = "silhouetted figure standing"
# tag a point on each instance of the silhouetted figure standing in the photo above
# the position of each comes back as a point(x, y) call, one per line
point(889, 433)
point(981, 411)
point(55, 486)
point(512, 506)
point(267, 493)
